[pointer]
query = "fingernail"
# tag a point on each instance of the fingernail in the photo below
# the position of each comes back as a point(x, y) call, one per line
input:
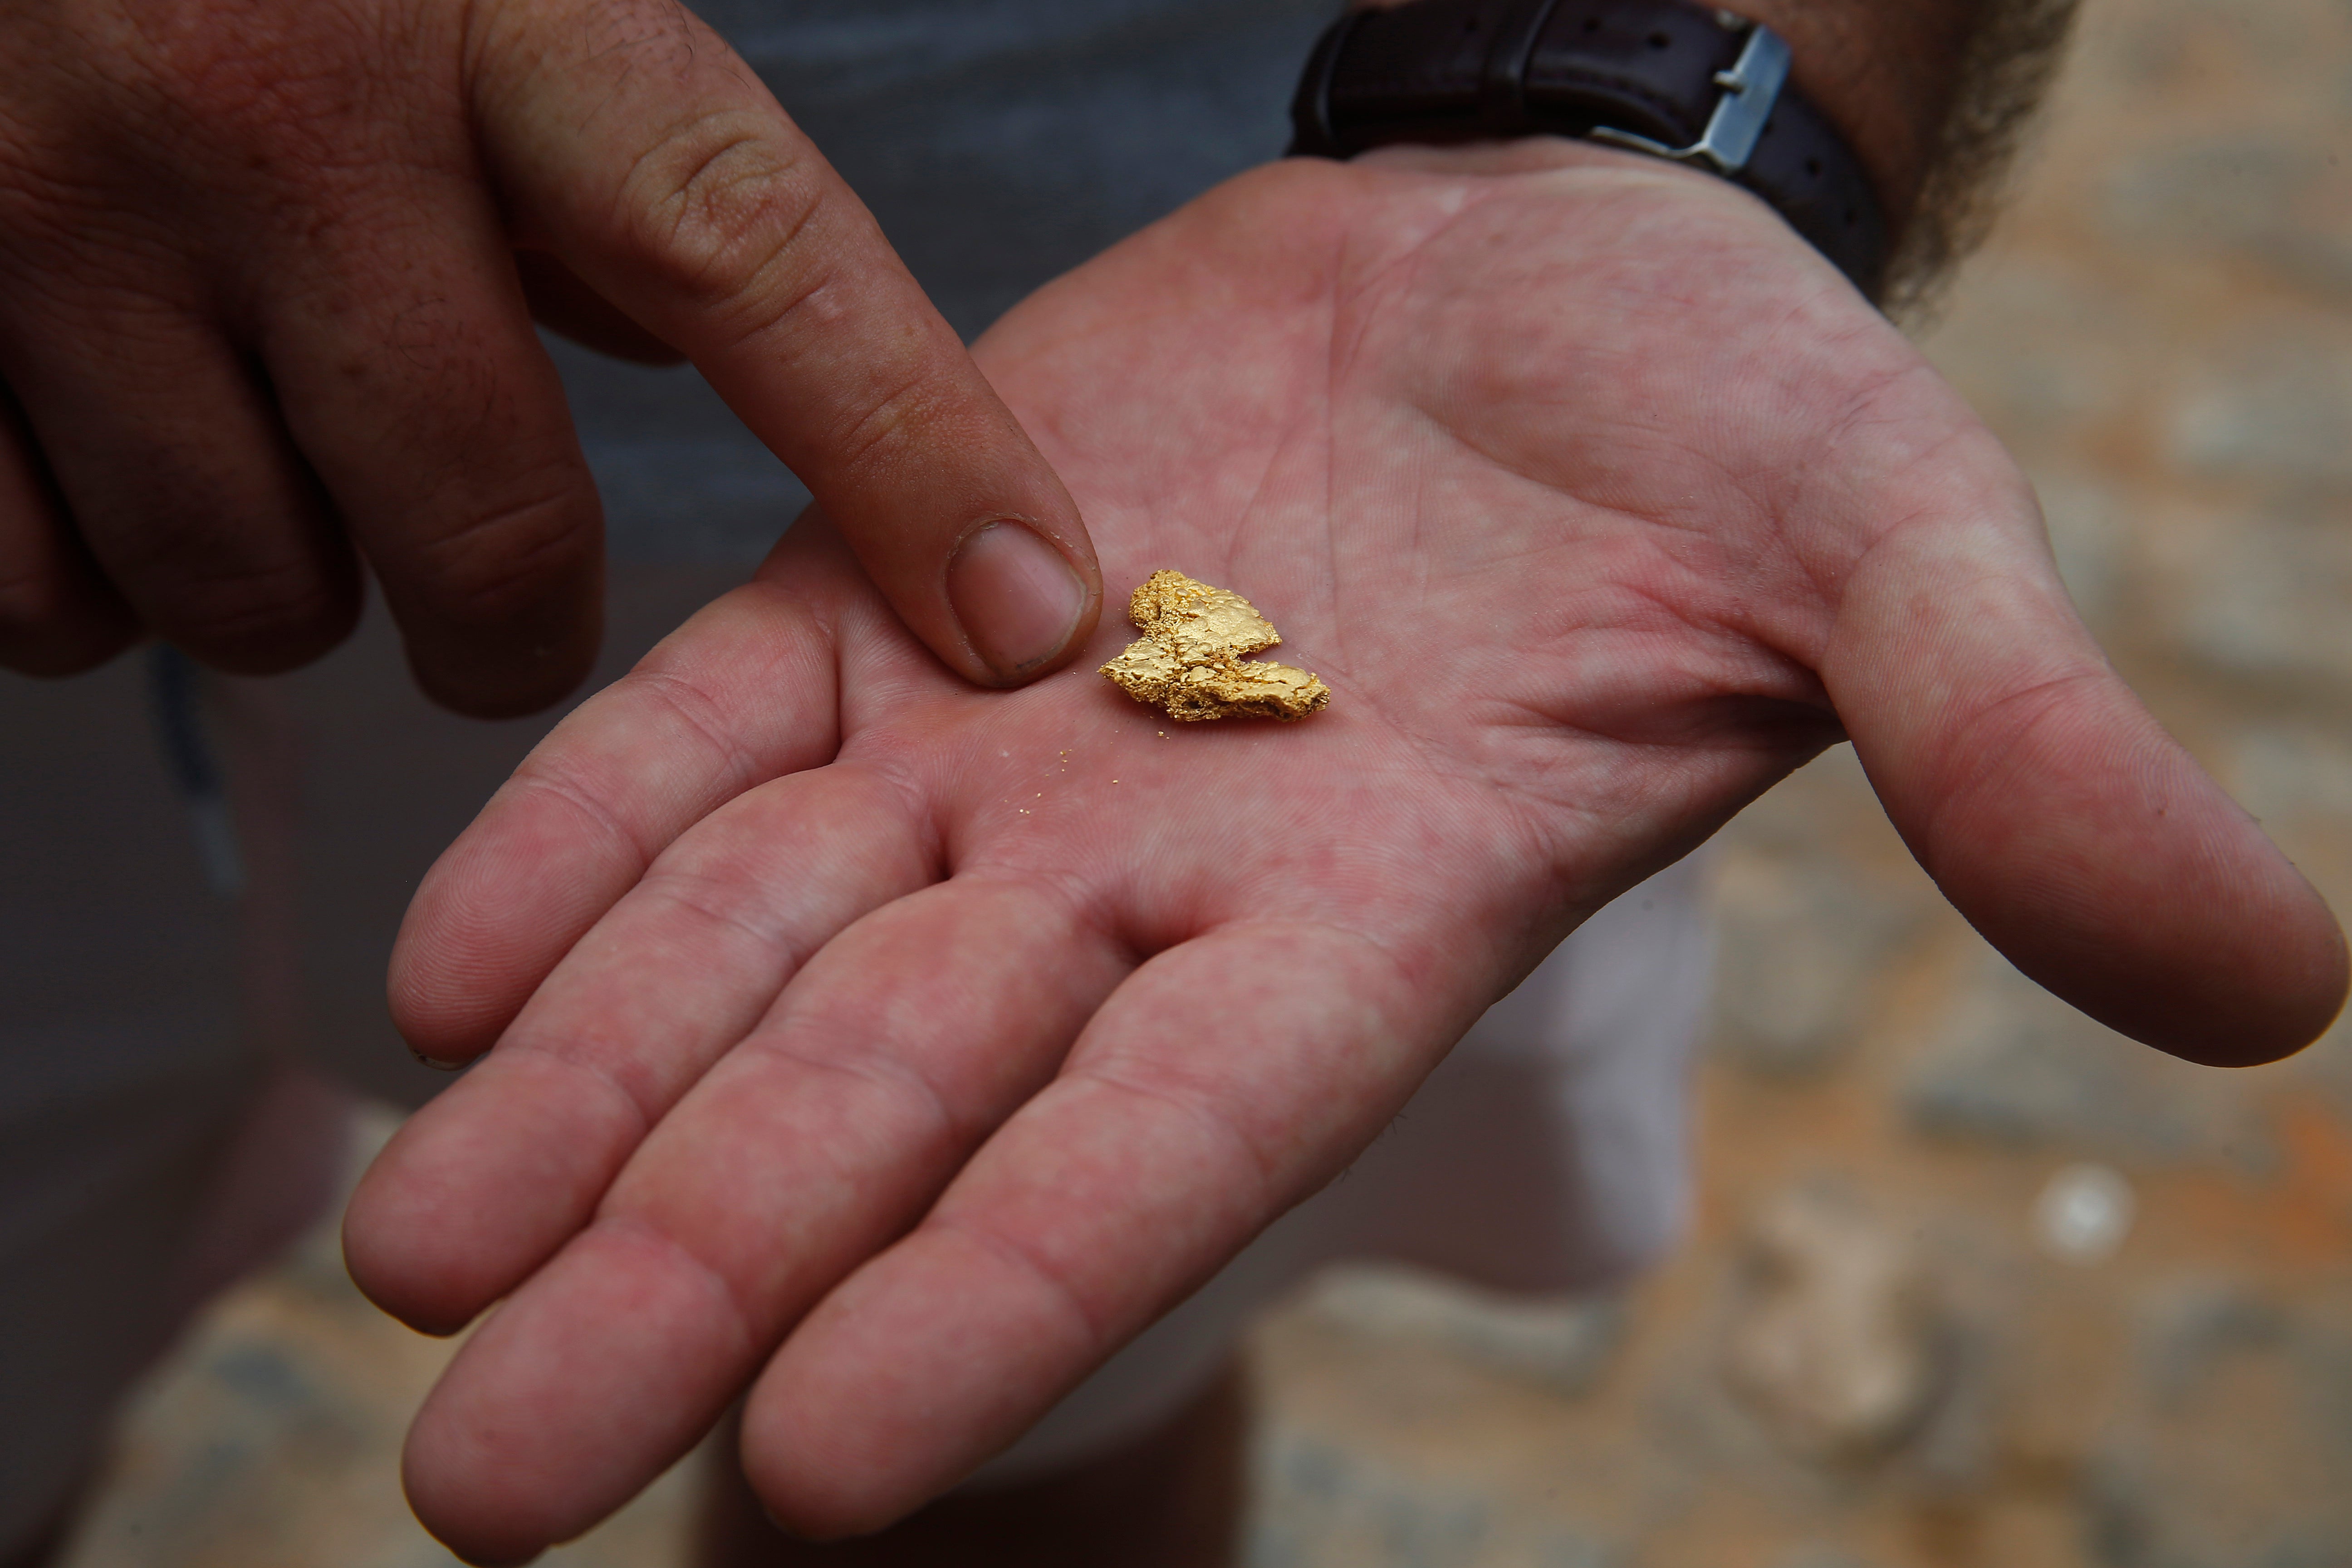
point(1017, 596)
point(436, 1064)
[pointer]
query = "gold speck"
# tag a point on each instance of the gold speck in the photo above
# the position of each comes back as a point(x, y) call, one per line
point(1189, 662)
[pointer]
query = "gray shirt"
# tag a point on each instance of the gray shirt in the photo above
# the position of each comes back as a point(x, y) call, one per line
point(1000, 142)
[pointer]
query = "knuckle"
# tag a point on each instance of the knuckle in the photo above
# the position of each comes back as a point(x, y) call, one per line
point(47, 629)
point(722, 211)
point(270, 80)
point(501, 565)
point(258, 617)
point(874, 431)
point(278, 113)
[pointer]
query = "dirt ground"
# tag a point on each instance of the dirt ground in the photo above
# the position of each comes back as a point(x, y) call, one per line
point(1970, 1282)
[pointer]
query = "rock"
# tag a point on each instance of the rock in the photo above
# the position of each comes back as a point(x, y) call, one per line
point(2083, 1213)
point(1558, 1344)
point(1834, 1347)
point(2260, 197)
point(2036, 349)
point(2280, 773)
point(2274, 408)
point(2181, 1481)
point(1820, 1557)
point(2235, 191)
point(2089, 535)
point(2266, 598)
point(2014, 1067)
point(1320, 1504)
point(1802, 940)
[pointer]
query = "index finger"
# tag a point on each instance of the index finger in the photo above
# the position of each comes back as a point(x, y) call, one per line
point(641, 149)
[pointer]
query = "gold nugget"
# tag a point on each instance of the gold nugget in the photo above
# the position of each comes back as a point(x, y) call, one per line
point(1188, 662)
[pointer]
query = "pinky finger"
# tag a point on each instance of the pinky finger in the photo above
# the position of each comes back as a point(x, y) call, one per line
point(58, 614)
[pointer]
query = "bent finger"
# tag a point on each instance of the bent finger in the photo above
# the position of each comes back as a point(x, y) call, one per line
point(2058, 816)
point(642, 152)
point(423, 400)
point(181, 481)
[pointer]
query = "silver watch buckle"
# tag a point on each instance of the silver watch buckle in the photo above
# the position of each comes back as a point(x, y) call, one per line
point(1751, 88)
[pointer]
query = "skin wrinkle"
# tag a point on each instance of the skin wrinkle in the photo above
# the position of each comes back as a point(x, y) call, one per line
point(1087, 910)
point(923, 807)
point(811, 296)
point(485, 585)
point(405, 344)
point(544, 779)
point(1923, 515)
point(876, 1066)
point(880, 424)
point(989, 1239)
point(1104, 908)
point(1600, 820)
point(108, 265)
point(622, 1225)
point(189, 48)
point(1828, 587)
point(698, 711)
point(807, 617)
point(1245, 513)
point(1960, 764)
point(1200, 1108)
point(1334, 375)
point(683, 234)
point(1436, 755)
point(1722, 624)
point(643, 1103)
point(689, 888)
point(1359, 304)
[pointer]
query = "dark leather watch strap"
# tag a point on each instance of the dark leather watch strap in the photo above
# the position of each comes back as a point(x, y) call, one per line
point(1636, 72)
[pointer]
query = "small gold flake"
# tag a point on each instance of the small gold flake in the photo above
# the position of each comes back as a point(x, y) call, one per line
point(1189, 661)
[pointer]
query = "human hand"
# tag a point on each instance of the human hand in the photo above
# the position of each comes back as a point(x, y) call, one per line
point(266, 296)
point(901, 1052)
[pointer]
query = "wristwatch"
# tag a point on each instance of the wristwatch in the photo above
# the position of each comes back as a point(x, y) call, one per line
point(1674, 80)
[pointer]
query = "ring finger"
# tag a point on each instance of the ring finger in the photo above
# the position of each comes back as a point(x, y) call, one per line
point(171, 459)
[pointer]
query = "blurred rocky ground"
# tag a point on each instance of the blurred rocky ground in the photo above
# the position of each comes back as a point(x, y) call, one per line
point(1971, 1283)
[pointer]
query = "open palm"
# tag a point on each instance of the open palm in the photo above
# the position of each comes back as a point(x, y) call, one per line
point(907, 1049)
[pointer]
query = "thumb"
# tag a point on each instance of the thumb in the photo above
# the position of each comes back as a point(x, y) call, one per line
point(634, 145)
point(2056, 813)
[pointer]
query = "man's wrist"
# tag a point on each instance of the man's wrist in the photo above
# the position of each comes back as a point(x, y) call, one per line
point(1886, 73)
point(1932, 98)
point(1665, 78)
point(1883, 72)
